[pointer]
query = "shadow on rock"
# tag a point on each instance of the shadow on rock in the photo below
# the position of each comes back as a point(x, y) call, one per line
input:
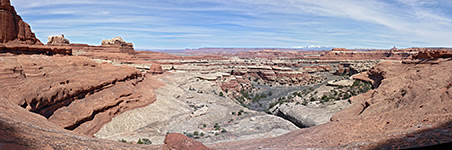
point(433, 138)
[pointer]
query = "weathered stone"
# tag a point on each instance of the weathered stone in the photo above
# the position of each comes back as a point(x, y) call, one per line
point(57, 40)
point(177, 141)
point(12, 28)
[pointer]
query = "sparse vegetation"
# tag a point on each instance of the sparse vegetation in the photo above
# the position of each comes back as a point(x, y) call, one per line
point(217, 126)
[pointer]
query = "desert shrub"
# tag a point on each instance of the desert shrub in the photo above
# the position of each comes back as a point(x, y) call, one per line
point(139, 141)
point(356, 83)
point(216, 126)
point(223, 131)
point(189, 135)
point(346, 96)
point(240, 112)
point(201, 134)
point(196, 133)
point(233, 113)
point(146, 141)
point(312, 99)
point(221, 94)
point(122, 140)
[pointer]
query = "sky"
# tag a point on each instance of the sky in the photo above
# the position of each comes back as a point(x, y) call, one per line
point(179, 24)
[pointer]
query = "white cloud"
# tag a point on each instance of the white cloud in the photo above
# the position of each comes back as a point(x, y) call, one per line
point(345, 23)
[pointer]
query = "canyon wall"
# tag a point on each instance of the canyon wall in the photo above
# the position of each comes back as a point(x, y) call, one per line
point(12, 28)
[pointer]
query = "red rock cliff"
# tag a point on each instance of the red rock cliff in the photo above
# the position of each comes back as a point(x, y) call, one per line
point(12, 28)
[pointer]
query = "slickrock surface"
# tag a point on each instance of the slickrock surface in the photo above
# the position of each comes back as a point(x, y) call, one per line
point(410, 108)
point(308, 116)
point(74, 92)
point(184, 105)
point(12, 28)
point(21, 129)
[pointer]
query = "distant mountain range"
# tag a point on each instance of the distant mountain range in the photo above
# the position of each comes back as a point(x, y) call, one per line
point(235, 50)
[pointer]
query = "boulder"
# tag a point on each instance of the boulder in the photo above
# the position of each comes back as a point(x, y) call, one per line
point(155, 69)
point(12, 28)
point(177, 141)
point(57, 40)
point(199, 112)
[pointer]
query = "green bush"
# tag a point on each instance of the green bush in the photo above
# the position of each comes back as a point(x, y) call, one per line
point(216, 126)
point(146, 141)
point(201, 134)
point(139, 141)
point(312, 99)
point(221, 94)
point(196, 133)
point(346, 96)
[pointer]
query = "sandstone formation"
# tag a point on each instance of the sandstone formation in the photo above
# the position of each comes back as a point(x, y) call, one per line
point(12, 28)
point(274, 74)
point(155, 69)
point(22, 129)
point(177, 141)
point(34, 49)
point(119, 42)
point(314, 69)
point(409, 108)
point(426, 54)
point(71, 92)
point(57, 40)
point(306, 116)
point(186, 104)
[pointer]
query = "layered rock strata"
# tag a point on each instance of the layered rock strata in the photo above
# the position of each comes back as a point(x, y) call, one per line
point(71, 92)
point(409, 108)
point(12, 28)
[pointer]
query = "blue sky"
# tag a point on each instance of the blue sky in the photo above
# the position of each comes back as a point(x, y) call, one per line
point(170, 24)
